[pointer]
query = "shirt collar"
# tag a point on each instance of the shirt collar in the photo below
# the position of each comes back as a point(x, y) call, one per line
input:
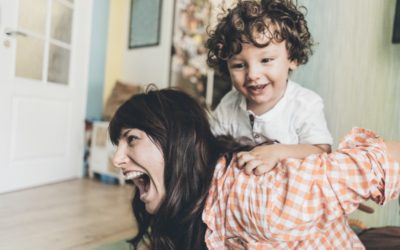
point(242, 102)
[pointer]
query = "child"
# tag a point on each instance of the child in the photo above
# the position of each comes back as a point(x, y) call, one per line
point(256, 45)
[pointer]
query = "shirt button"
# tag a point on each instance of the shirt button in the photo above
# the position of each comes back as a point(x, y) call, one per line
point(256, 135)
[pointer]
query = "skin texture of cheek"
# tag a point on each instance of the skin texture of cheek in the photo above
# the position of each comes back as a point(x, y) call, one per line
point(153, 160)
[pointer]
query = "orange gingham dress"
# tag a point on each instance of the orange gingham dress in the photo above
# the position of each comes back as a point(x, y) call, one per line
point(300, 204)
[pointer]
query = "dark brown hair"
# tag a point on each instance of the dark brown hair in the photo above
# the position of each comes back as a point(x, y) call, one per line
point(281, 20)
point(180, 126)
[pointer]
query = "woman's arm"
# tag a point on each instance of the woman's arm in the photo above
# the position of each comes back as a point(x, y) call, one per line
point(363, 166)
point(327, 186)
point(393, 148)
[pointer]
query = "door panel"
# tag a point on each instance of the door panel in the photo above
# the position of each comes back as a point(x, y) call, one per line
point(29, 57)
point(58, 69)
point(27, 136)
point(61, 22)
point(32, 17)
point(43, 84)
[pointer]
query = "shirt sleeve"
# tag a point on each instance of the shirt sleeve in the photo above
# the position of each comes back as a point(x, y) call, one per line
point(322, 188)
point(222, 116)
point(361, 169)
point(312, 127)
point(218, 121)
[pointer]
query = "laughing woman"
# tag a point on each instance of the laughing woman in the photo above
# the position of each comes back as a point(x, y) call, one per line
point(191, 194)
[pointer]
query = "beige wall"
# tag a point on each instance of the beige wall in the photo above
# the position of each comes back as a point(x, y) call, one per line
point(356, 70)
point(140, 65)
point(151, 64)
point(117, 31)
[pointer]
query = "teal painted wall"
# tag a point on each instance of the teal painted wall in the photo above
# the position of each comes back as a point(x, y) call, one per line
point(356, 70)
point(97, 59)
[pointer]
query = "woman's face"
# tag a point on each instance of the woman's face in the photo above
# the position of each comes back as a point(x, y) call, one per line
point(142, 161)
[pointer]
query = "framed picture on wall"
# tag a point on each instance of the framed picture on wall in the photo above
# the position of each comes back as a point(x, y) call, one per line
point(396, 25)
point(144, 23)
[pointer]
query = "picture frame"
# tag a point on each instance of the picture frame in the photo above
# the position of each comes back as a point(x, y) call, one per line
point(144, 23)
point(396, 25)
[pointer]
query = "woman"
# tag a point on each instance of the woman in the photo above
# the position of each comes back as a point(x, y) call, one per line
point(191, 194)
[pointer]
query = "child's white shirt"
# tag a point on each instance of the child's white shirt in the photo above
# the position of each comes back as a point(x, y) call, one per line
point(298, 118)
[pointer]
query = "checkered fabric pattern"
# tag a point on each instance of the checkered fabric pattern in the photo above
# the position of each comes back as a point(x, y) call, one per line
point(301, 204)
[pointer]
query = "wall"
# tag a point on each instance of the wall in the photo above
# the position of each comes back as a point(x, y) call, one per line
point(117, 31)
point(151, 64)
point(140, 65)
point(98, 45)
point(356, 70)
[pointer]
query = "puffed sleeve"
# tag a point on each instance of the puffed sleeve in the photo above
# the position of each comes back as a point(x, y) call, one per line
point(361, 169)
point(320, 189)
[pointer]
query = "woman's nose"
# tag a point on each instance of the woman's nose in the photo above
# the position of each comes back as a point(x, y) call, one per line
point(119, 158)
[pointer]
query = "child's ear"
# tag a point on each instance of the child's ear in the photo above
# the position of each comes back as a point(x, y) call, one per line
point(293, 65)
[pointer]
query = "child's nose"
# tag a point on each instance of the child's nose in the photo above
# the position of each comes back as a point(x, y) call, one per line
point(253, 73)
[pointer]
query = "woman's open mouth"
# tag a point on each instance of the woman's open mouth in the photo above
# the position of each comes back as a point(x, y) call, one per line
point(141, 181)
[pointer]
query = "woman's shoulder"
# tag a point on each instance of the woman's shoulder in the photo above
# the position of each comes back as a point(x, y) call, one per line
point(360, 137)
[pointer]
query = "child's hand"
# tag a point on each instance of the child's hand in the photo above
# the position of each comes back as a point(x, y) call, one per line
point(259, 161)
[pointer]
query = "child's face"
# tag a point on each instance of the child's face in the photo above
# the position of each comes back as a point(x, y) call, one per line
point(260, 74)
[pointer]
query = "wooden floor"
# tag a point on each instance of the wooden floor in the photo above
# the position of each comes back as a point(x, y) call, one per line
point(77, 214)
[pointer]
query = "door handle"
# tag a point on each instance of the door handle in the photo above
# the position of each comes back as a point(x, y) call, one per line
point(14, 33)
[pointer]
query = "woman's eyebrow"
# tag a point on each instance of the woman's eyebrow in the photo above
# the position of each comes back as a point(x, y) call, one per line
point(124, 134)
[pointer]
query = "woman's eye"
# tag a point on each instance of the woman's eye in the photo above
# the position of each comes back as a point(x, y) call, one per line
point(131, 139)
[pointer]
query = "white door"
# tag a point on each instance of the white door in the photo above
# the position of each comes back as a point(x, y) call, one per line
point(44, 51)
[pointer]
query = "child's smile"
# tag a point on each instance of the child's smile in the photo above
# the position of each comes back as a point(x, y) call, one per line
point(256, 89)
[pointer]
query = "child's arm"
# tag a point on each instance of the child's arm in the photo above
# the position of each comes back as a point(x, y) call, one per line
point(263, 158)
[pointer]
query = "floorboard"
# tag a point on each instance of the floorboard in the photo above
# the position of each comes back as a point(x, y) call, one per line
point(77, 214)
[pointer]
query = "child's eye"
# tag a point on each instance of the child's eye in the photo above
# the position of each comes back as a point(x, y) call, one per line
point(237, 66)
point(266, 60)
